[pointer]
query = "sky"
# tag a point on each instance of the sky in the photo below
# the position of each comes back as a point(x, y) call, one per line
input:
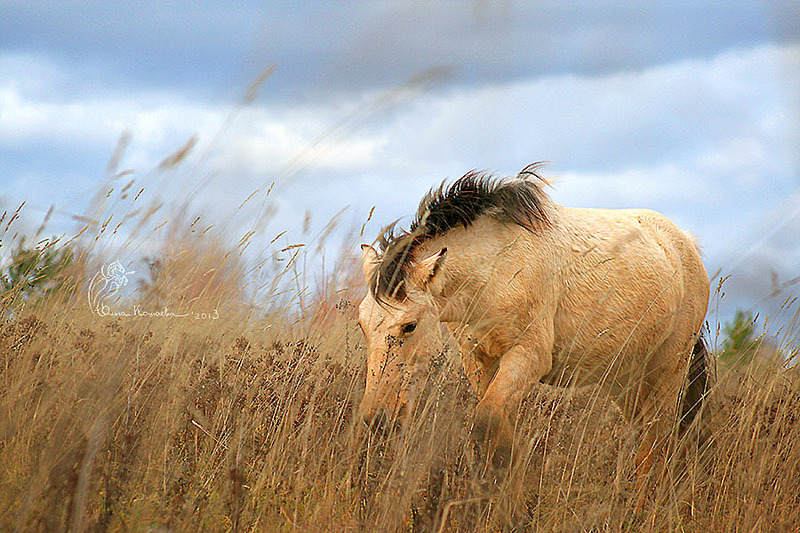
point(688, 108)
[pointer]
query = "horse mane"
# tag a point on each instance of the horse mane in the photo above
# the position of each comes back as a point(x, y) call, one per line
point(476, 194)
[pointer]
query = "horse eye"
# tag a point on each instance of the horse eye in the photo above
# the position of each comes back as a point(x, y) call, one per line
point(408, 328)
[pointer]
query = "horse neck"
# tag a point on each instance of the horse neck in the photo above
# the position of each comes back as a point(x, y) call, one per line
point(470, 266)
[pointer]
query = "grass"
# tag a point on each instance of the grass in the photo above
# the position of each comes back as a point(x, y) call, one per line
point(246, 423)
point(239, 417)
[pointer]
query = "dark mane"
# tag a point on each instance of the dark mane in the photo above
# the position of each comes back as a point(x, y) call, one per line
point(518, 201)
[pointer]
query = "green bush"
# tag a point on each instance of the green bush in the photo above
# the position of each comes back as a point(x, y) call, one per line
point(33, 271)
point(741, 342)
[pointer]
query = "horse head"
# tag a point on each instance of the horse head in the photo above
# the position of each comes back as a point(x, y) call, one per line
point(401, 335)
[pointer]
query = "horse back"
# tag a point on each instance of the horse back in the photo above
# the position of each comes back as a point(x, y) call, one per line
point(631, 279)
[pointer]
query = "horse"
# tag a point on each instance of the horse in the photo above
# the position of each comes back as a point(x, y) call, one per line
point(537, 292)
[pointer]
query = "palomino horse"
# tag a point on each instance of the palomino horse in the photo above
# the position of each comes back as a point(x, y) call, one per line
point(536, 292)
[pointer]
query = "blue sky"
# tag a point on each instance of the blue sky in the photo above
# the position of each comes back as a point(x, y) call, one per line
point(689, 108)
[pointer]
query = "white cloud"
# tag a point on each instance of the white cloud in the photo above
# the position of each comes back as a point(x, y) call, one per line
point(702, 110)
point(257, 140)
point(28, 73)
point(159, 123)
point(606, 122)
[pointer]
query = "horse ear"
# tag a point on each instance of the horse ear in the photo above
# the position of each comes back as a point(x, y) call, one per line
point(427, 269)
point(369, 258)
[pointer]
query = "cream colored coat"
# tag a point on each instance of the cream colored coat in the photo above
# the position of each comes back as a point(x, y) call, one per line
point(615, 298)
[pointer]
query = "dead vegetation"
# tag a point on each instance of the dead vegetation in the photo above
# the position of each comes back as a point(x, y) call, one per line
point(244, 424)
point(236, 414)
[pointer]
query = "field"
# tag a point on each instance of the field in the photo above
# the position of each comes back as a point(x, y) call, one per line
point(231, 419)
point(215, 395)
point(184, 191)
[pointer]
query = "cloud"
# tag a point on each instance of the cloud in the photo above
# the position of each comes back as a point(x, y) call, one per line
point(718, 125)
point(324, 49)
point(611, 121)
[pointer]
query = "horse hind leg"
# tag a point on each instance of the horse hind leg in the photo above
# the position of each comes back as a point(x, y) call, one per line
point(649, 403)
point(665, 404)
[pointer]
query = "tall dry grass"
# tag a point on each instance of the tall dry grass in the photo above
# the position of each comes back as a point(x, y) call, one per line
point(245, 423)
point(237, 414)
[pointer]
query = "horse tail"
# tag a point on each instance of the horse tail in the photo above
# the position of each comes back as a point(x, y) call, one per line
point(696, 387)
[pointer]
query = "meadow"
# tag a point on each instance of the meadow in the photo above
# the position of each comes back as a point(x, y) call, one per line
point(232, 418)
point(214, 395)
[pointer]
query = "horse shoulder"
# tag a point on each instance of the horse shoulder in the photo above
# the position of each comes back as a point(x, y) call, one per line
point(511, 288)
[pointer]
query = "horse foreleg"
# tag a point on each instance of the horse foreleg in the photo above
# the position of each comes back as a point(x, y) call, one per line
point(518, 371)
